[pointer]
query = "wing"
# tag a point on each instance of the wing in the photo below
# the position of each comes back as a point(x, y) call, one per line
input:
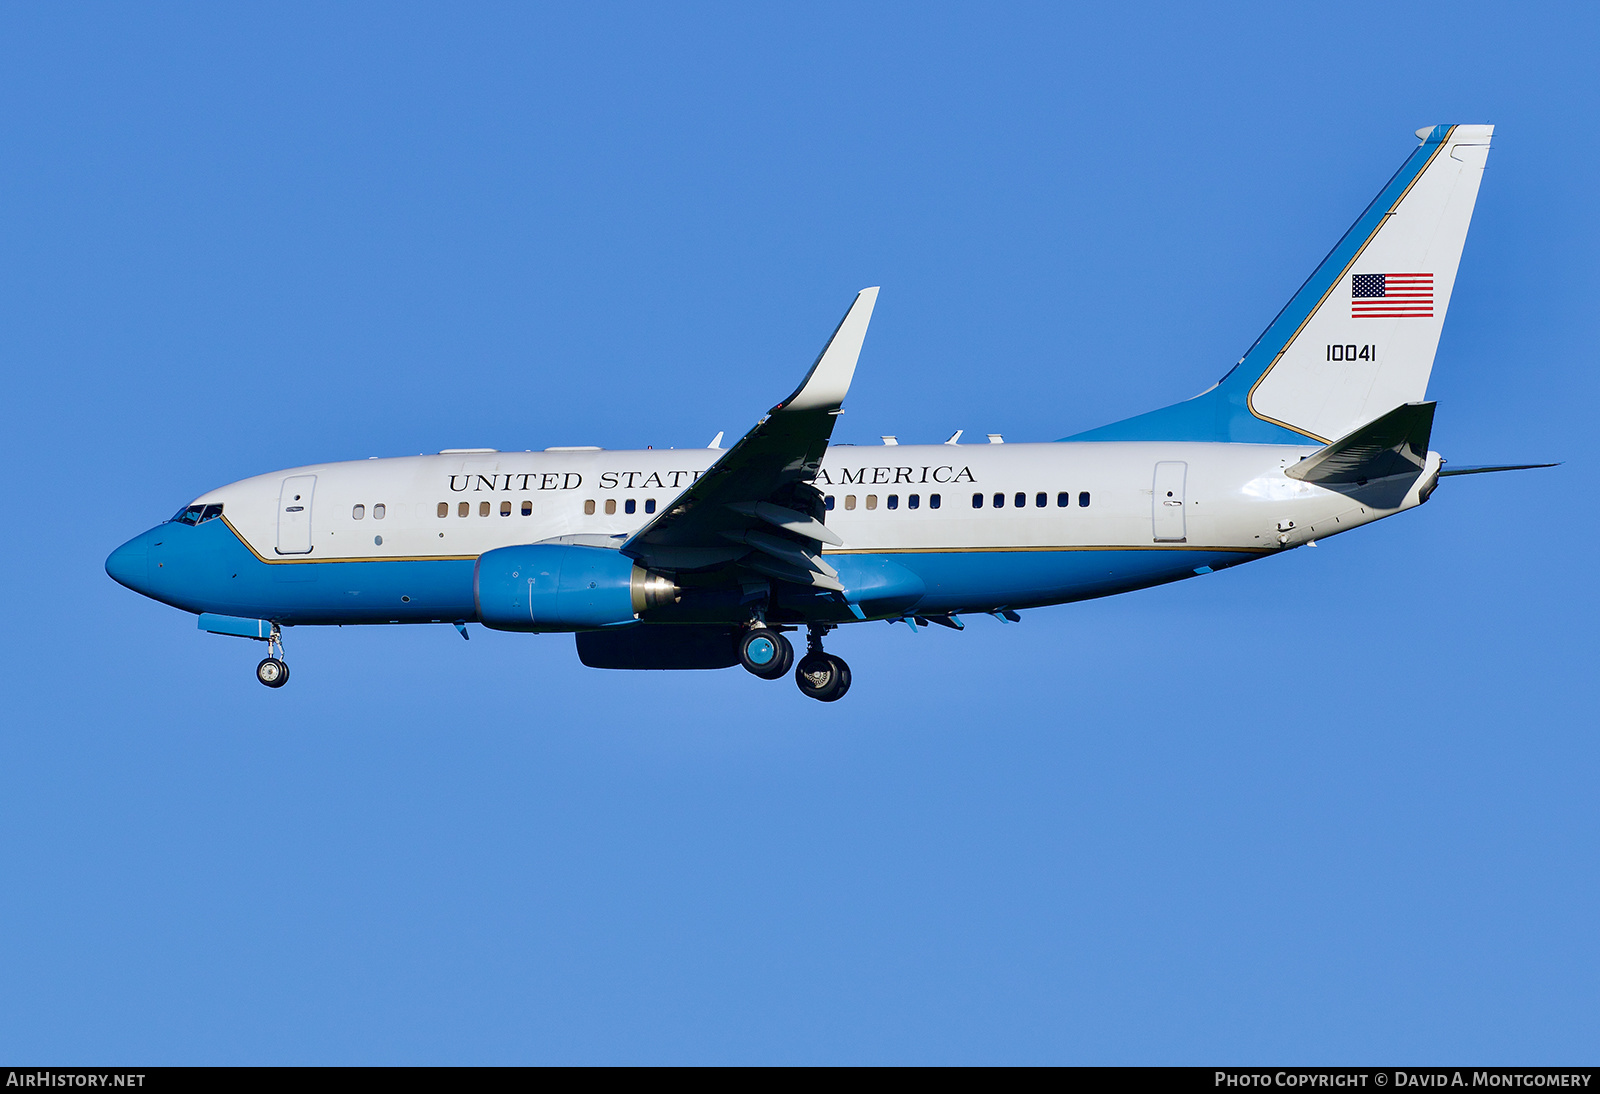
point(757, 504)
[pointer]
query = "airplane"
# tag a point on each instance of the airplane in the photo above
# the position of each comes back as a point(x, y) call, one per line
point(709, 558)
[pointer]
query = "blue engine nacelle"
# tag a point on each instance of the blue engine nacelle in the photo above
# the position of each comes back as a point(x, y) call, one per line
point(561, 587)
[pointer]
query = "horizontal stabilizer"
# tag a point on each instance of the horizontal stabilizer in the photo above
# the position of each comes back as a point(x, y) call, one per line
point(1395, 444)
point(1484, 468)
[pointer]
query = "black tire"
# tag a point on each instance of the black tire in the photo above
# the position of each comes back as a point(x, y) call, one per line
point(766, 653)
point(823, 677)
point(272, 672)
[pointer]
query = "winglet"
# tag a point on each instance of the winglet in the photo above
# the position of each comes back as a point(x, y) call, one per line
point(825, 386)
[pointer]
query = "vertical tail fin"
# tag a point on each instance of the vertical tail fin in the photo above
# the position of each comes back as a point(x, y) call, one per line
point(1358, 339)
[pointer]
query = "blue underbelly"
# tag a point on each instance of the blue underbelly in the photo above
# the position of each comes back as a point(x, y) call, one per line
point(985, 580)
point(209, 569)
point(400, 591)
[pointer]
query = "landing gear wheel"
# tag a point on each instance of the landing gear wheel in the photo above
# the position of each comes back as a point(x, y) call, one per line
point(766, 653)
point(272, 672)
point(822, 677)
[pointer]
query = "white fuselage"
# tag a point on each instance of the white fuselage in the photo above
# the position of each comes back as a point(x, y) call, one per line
point(460, 505)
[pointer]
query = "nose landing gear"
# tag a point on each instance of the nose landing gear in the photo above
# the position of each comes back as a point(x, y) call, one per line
point(821, 676)
point(273, 671)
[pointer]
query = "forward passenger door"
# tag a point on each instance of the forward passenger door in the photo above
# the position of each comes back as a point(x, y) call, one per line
point(294, 514)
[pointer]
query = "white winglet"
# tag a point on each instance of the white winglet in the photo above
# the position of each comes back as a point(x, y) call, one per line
point(826, 385)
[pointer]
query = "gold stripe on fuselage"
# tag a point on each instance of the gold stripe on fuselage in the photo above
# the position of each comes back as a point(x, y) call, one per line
point(359, 558)
point(844, 551)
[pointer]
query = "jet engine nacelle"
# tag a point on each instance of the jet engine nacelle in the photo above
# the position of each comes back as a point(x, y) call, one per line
point(564, 587)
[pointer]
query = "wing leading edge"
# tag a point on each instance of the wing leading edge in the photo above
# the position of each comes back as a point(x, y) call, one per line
point(756, 505)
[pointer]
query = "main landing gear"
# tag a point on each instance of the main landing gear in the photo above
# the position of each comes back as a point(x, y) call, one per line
point(273, 671)
point(765, 653)
point(768, 654)
point(821, 676)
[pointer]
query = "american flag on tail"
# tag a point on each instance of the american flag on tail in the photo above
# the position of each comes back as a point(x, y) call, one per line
point(1391, 296)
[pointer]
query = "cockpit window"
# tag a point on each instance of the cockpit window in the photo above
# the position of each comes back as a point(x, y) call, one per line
point(198, 514)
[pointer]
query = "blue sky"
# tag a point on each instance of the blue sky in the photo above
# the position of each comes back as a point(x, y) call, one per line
point(1330, 808)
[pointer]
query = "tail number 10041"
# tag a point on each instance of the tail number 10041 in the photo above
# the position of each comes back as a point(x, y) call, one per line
point(1352, 353)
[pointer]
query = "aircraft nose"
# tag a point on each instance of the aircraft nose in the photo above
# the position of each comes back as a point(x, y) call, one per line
point(127, 564)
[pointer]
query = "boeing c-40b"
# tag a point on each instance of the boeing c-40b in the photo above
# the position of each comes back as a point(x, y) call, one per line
point(708, 558)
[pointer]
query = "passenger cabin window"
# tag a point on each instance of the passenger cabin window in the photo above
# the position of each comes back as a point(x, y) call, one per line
point(1083, 500)
point(527, 508)
point(894, 501)
point(999, 501)
point(1041, 499)
point(913, 501)
point(649, 505)
point(505, 509)
point(611, 507)
point(358, 512)
point(444, 509)
point(464, 508)
point(483, 508)
point(872, 501)
point(827, 503)
point(1063, 499)
point(588, 508)
point(629, 506)
point(849, 501)
point(379, 511)
point(1020, 501)
point(977, 501)
point(933, 501)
